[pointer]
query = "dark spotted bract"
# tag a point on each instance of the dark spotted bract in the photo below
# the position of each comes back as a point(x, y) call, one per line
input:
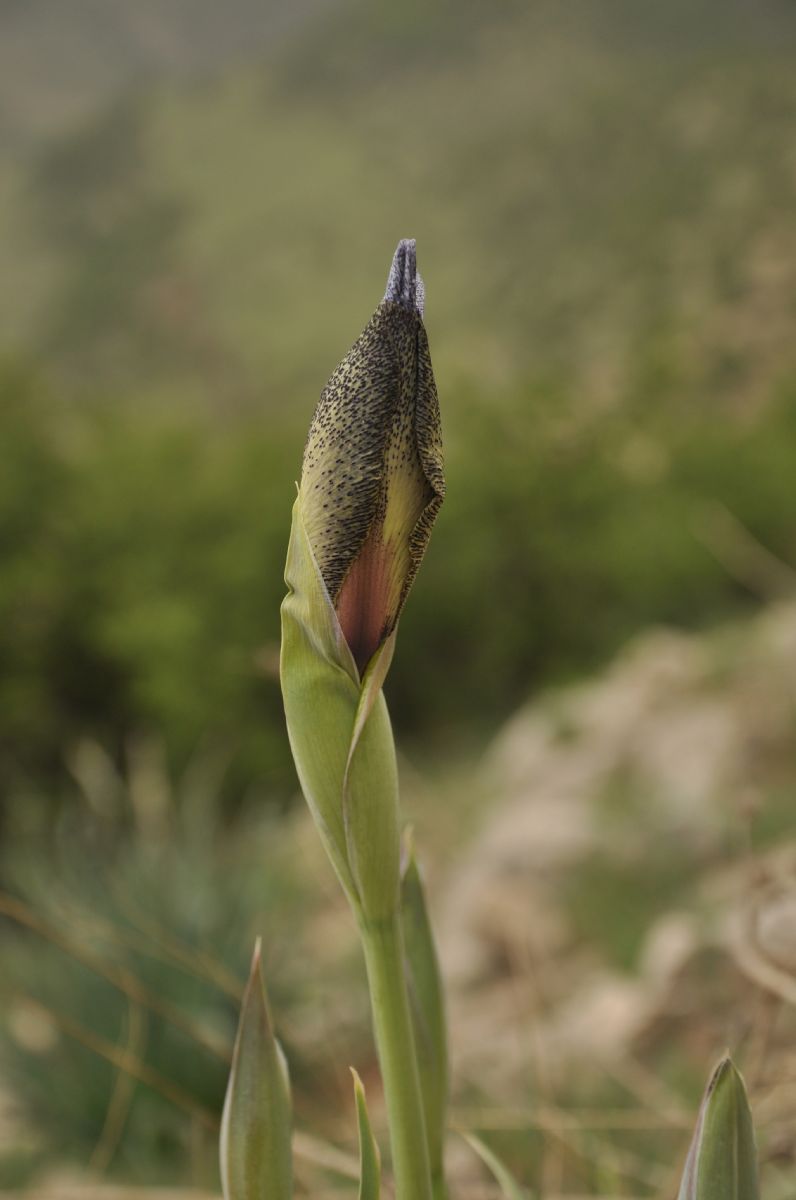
point(372, 480)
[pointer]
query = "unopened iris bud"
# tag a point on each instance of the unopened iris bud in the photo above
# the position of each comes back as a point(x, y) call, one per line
point(372, 480)
point(371, 486)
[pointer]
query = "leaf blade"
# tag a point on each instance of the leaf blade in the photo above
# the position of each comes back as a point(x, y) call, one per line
point(255, 1142)
point(722, 1157)
point(369, 1156)
point(427, 1006)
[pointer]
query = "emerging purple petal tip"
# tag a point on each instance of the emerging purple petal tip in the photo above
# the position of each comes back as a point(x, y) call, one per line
point(404, 284)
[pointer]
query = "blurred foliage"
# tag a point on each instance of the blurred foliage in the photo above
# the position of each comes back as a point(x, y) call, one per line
point(143, 554)
point(142, 955)
point(602, 208)
point(140, 584)
point(194, 230)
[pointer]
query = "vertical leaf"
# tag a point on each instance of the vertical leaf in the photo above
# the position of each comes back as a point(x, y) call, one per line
point(722, 1159)
point(256, 1124)
point(369, 1157)
point(428, 1011)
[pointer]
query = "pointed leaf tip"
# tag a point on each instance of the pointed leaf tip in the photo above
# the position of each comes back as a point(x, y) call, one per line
point(369, 1157)
point(722, 1158)
point(255, 1150)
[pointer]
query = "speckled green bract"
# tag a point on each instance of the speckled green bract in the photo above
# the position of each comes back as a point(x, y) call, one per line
point(373, 459)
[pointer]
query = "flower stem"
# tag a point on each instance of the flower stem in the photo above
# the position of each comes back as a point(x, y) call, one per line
point(384, 957)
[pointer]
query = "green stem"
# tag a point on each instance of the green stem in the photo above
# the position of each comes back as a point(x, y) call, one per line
point(384, 957)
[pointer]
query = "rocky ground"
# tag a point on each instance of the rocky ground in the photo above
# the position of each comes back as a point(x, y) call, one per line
point(630, 899)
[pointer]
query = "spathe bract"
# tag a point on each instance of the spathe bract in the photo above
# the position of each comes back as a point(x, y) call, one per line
point(372, 481)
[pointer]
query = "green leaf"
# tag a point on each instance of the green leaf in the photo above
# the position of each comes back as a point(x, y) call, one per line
point(369, 1157)
point(370, 796)
point(321, 694)
point(426, 1000)
point(255, 1149)
point(508, 1184)
point(340, 735)
point(722, 1159)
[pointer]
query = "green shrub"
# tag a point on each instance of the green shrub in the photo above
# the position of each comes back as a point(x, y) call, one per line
point(143, 553)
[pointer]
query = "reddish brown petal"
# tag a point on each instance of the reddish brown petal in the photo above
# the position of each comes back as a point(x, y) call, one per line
point(364, 604)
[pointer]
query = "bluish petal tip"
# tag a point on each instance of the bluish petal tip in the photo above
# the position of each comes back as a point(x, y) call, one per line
point(404, 285)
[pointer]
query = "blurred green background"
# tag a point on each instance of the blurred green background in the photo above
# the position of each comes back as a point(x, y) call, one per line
point(198, 207)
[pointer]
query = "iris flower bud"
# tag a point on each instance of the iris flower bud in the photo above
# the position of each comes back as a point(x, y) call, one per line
point(371, 486)
point(372, 480)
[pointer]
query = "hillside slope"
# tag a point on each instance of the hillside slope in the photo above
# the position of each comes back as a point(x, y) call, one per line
point(60, 63)
point(591, 194)
point(603, 199)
